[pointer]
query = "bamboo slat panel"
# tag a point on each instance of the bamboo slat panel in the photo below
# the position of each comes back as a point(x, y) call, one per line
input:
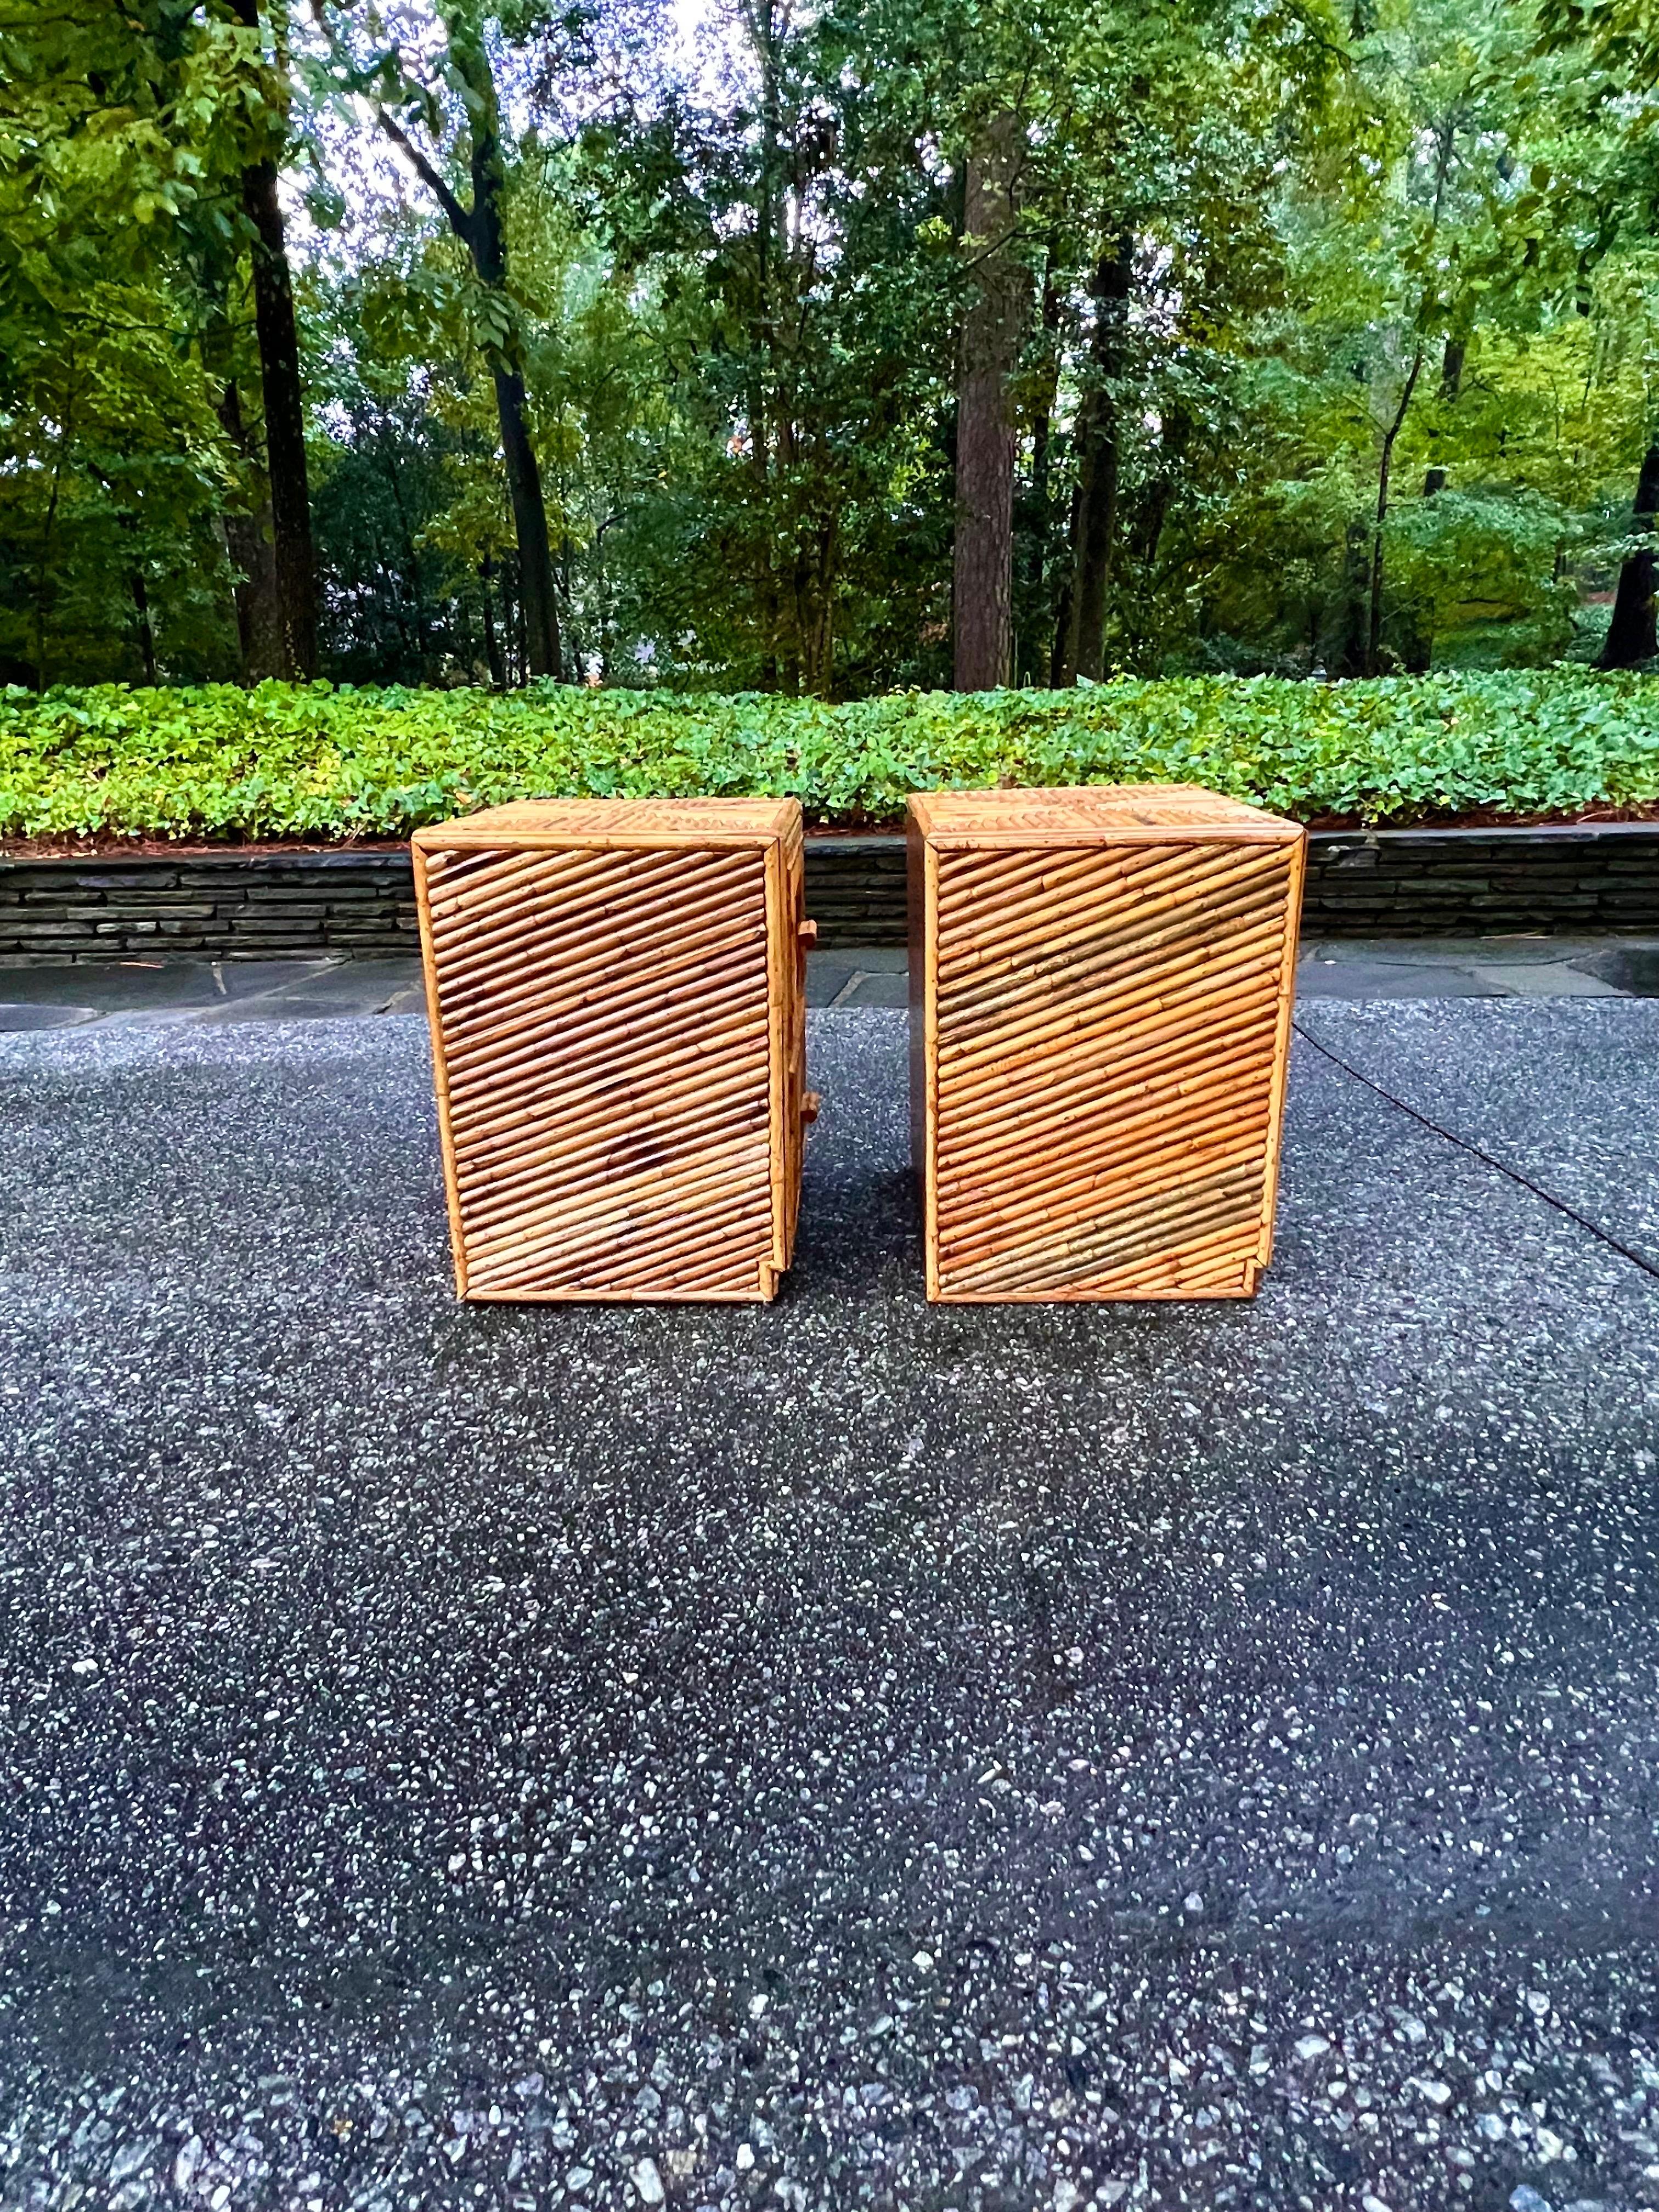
point(616, 991)
point(1101, 989)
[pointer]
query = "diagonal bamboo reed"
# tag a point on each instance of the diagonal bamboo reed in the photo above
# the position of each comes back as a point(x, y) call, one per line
point(1101, 988)
point(615, 993)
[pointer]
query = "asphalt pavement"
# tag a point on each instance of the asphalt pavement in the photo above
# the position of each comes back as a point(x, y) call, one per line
point(842, 1753)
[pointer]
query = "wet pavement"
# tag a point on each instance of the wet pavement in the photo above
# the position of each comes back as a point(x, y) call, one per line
point(846, 1753)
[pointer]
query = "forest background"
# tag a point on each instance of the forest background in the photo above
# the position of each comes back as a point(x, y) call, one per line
point(824, 349)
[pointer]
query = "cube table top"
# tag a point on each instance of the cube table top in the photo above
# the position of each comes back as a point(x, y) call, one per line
point(1096, 813)
point(603, 823)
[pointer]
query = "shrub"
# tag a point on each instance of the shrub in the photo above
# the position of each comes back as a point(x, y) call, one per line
point(288, 761)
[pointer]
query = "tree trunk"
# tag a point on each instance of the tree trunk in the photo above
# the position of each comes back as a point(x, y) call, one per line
point(1451, 382)
point(144, 626)
point(280, 385)
point(285, 428)
point(1451, 371)
point(480, 230)
point(146, 630)
point(982, 572)
point(1347, 652)
point(1173, 438)
point(524, 487)
point(277, 609)
point(258, 630)
point(767, 606)
point(411, 552)
point(761, 19)
point(815, 612)
point(1037, 566)
point(524, 477)
point(1631, 633)
point(42, 574)
point(1097, 477)
point(1062, 671)
point(492, 642)
point(1042, 410)
point(1373, 627)
point(250, 542)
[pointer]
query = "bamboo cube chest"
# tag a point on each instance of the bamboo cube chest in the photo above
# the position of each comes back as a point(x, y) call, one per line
point(1100, 995)
point(616, 990)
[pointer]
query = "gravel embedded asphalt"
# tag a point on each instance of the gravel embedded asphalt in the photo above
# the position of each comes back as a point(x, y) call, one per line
point(847, 1752)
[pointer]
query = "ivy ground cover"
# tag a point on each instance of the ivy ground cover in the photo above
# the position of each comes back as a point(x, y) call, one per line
point(320, 762)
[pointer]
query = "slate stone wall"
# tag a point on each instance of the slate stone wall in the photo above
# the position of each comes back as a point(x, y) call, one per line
point(1468, 882)
point(271, 905)
point(254, 906)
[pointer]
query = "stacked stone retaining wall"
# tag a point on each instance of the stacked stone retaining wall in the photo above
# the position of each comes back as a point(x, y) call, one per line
point(269, 905)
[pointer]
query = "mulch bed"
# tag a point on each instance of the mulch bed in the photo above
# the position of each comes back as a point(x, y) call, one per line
point(117, 847)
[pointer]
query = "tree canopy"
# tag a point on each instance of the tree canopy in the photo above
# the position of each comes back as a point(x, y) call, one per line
point(824, 346)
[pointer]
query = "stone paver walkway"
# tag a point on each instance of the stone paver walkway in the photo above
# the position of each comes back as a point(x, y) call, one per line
point(151, 994)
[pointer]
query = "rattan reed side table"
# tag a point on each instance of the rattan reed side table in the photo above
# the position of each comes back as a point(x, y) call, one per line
point(616, 994)
point(1100, 990)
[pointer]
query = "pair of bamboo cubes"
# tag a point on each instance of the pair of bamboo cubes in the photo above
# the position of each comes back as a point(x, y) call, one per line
point(1100, 990)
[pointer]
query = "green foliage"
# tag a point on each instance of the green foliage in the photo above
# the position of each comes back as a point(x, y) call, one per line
point(1410, 232)
point(280, 761)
